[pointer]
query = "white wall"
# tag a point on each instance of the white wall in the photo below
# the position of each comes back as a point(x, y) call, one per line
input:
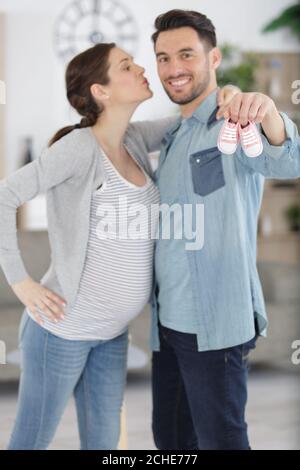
point(36, 103)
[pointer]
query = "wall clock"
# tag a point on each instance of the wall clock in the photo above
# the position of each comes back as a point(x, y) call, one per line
point(84, 23)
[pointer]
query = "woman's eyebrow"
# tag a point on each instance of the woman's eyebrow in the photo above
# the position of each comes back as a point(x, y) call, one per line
point(126, 58)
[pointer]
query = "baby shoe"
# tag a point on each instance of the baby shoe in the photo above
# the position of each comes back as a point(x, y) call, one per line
point(250, 140)
point(228, 137)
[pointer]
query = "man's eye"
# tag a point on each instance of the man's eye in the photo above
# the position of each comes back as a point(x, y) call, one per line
point(162, 59)
point(186, 56)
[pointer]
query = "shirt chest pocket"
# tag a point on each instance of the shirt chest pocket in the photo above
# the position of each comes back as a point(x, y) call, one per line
point(207, 171)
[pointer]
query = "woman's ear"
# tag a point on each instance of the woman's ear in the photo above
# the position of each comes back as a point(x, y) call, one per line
point(98, 92)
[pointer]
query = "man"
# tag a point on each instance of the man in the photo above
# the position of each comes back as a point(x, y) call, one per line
point(208, 306)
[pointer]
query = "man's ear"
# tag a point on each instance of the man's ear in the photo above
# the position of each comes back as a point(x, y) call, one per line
point(98, 92)
point(216, 57)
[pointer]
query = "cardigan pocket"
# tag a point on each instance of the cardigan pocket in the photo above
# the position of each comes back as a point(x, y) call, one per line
point(207, 171)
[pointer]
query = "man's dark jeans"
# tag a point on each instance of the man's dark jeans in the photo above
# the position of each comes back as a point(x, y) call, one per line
point(199, 398)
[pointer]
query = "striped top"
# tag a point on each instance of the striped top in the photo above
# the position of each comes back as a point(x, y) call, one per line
point(116, 279)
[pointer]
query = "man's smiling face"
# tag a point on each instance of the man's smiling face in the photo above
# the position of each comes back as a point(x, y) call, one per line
point(183, 64)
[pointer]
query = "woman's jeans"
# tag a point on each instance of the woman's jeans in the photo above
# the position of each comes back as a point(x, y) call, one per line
point(52, 369)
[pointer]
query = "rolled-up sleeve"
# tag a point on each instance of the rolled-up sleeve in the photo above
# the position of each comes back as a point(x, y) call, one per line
point(279, 162)
point(276, 151)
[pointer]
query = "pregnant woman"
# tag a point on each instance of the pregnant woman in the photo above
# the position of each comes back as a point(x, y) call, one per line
point(73, 334)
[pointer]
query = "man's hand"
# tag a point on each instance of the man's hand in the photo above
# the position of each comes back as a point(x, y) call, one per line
point(33, 295)
point(260, 108)
point(244, 107)
point(224, 97)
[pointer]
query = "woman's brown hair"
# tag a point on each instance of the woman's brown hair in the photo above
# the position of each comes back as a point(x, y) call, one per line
point(88, 67)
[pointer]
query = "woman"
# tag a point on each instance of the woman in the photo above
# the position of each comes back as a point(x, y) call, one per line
point(74, 331)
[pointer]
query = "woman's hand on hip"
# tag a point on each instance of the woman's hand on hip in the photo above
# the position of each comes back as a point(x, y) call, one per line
point(33, 295)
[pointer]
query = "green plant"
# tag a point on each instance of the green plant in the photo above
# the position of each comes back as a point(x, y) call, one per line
point(289, 18)
point(237, 68)
point(292, 214)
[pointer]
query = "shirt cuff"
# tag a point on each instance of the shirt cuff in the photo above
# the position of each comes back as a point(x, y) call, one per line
point(276, 151)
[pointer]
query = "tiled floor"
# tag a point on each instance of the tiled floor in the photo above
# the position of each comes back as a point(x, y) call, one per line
point(273, 412)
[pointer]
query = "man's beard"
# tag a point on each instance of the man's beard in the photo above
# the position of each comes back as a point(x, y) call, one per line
point(197, 90)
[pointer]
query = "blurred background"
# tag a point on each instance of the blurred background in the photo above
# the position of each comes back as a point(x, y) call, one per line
point(260, 42)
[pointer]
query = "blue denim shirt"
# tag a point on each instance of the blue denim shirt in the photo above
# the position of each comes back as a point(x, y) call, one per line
point(175, 300)
point(226, 288)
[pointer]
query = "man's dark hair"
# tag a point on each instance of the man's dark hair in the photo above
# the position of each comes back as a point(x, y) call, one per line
point(174, 19)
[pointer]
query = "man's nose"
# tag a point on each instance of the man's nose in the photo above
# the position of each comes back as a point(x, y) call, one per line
point(174, 68)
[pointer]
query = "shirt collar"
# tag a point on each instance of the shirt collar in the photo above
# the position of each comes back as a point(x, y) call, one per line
point(207, 110)
point(205, 113)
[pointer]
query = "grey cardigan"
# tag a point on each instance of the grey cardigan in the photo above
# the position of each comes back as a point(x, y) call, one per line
point(68, 172)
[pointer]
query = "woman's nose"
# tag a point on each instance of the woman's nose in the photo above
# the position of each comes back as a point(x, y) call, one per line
point(141, 70)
